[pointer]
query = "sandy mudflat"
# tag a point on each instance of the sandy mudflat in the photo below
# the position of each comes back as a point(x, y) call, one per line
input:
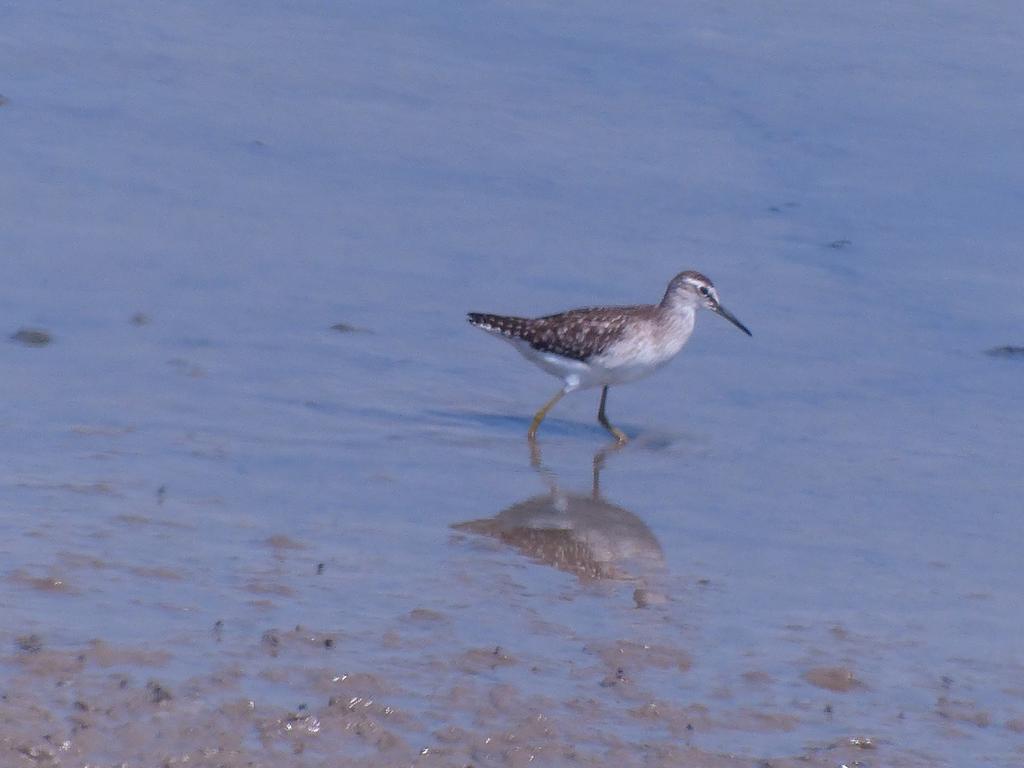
point(111, 706)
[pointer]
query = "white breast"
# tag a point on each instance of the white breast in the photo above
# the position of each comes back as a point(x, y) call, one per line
point(646, 349)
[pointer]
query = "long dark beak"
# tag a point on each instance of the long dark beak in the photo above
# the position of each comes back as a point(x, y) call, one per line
point(720, 310)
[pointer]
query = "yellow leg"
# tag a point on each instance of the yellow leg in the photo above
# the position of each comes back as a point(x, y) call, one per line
point(544, 412)
point(620, 436)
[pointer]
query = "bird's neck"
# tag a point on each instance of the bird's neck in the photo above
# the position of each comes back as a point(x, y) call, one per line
point(678, 317)
point(675, 301)
point(673, 308)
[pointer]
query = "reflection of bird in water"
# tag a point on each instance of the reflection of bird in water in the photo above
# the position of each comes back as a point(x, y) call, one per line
point(578, 533)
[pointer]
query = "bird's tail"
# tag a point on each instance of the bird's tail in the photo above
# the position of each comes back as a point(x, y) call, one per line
point(511, 327)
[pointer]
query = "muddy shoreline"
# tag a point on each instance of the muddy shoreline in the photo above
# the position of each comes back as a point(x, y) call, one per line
point(107, 705)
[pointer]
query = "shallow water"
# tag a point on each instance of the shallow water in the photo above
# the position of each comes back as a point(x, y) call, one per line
point(813, 538)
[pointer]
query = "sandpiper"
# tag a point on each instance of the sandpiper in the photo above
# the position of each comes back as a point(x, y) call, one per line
point(602, 346)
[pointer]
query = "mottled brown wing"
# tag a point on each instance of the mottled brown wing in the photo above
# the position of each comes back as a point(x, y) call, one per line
point(578, 334)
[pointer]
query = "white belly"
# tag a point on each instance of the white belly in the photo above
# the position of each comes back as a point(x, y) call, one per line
point(575, 373)
point(639, 354)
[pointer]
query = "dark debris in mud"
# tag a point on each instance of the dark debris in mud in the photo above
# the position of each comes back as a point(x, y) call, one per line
point(349, 328)
point(29, 643)
point(32, 337)
point(158, 694)
point(1006, 351)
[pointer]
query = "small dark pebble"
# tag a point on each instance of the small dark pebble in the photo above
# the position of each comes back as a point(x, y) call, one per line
point(157, 693)
point(328, 642)
point(29, 643)
point(689, 726)
point(620, 677)
point(32, 337)
point(1006, 351)
point(271, 641)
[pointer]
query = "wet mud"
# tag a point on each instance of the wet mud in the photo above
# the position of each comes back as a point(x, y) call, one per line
point(115, 705)
point(418, 687)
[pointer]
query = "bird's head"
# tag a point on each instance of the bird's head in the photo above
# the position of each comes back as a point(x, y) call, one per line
point(691, 290)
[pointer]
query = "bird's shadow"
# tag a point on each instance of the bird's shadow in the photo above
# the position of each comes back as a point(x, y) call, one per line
point(518, 425)
point(553, 426)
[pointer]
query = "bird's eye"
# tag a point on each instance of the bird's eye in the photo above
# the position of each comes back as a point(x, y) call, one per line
point(703, 290)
